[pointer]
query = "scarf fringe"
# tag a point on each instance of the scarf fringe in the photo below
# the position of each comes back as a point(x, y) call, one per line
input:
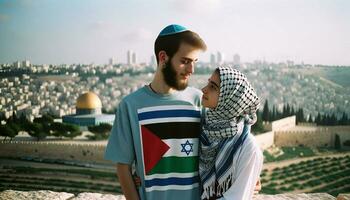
point(221, 188)
point(224, 185)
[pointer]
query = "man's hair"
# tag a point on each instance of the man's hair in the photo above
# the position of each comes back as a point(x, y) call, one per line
point(171, 43)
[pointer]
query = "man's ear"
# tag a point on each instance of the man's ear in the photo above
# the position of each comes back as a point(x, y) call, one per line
point(163, 57)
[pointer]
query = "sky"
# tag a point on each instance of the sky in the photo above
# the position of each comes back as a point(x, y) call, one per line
point(92, 31)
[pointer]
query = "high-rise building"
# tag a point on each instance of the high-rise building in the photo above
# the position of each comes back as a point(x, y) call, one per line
point(212, 60)
point(134, 58)
point(111, 61)
point(129, 57)
point(26, 63)
point(220, 58)
point(236, 59)
point(17, 64)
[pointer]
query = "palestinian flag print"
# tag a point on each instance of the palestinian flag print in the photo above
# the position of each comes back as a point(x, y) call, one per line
point(169, 136)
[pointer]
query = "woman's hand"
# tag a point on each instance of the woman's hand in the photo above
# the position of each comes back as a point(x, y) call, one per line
point(137, 181)
point(257, 187)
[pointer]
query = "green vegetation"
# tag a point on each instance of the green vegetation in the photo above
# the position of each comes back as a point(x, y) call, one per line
point(338, 75)
point(101, 131)
point(272, 114)
point(289, 153)
point(40, 128)
point(329, 175)
point(56, 179)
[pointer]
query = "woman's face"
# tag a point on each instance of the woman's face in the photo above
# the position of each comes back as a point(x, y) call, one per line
point(211, 91)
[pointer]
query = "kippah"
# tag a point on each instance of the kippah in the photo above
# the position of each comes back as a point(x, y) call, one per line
point(172, 29)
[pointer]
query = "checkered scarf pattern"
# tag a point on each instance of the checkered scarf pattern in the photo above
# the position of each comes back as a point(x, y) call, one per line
point(220, 138)
point(237, 100)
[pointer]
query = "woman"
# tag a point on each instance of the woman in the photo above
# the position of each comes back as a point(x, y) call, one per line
point(230, 159)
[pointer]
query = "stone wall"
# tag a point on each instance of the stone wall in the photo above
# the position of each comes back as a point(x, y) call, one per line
point(90, 153)
point(319, 137)
point(50, 195)
point(283, 124)
point(265, 140)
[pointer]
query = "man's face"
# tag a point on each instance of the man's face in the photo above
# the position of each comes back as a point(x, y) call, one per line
point(180, 67)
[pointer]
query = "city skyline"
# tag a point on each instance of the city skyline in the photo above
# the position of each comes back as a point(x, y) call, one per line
point(57, 32)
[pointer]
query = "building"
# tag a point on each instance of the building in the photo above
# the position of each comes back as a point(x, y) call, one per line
point(134, 58)
point(88, 112)
point(212, 60)
point(111, 61)
point(26, 63)
point(220, 58)
point(236, 60)
point(129, 57)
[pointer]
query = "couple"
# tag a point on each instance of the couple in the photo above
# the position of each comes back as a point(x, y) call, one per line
point(181, 151)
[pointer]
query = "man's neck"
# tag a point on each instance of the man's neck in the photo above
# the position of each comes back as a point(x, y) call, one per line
point(159, 86)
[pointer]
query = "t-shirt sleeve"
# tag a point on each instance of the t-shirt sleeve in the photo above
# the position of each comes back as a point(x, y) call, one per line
point(120, 146)
point(248, 171)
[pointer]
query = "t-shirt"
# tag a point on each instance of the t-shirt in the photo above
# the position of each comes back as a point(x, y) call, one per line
point(159, 133)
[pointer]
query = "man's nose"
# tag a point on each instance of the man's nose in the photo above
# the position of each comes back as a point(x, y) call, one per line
point(190, 67)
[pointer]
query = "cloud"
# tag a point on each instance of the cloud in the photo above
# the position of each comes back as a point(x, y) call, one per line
point(195, 6)
point(137, 35)
point(100, 25)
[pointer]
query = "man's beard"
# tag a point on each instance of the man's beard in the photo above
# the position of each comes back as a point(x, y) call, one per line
point(170, 77)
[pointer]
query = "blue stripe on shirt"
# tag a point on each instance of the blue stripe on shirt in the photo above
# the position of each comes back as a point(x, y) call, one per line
point(171, 181)
point(168, 113)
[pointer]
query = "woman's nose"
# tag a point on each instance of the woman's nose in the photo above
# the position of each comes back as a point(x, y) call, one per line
point(204, 89)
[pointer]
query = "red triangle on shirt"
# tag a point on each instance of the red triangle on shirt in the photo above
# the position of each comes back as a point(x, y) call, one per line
point(153, 148)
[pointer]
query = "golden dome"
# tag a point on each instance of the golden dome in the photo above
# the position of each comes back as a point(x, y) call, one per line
point(88, 100)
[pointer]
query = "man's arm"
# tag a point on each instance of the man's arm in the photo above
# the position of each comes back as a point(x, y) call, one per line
point(126, 181)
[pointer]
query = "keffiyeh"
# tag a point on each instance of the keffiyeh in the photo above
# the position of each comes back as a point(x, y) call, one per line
point(222, 134)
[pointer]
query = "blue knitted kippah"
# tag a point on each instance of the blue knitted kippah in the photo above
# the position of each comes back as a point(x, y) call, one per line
point(172, 29)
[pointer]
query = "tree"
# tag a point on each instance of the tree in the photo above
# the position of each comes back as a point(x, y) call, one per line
point(57, 129)
point(265, 113)
point(318, 119)
point(258, 126)
point(310, 119)
point(344, 119)
point(100, 131)
point(333, 120)
point(16, 129)
point(45, 121)
point(337, 144)
point(36, 130)
point(288, 110)
point(7, 131)
point(273, 114)
point(300, 116)
point(71, 130)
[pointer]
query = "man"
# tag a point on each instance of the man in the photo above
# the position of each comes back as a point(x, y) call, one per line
point(157, 127)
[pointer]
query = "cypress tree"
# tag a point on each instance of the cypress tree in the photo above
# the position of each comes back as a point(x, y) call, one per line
point(310, 119)
point(265, 114)
point(318, 119)
point(288, 111)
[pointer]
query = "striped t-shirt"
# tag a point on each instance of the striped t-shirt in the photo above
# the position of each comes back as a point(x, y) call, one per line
point(160, 133)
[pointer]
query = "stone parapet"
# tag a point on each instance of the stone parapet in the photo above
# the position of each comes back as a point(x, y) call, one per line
point(50, 195)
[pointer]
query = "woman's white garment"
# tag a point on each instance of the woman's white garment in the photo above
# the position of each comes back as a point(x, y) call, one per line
point(248, 162)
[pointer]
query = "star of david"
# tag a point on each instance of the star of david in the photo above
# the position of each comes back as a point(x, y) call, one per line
point(187, 147)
